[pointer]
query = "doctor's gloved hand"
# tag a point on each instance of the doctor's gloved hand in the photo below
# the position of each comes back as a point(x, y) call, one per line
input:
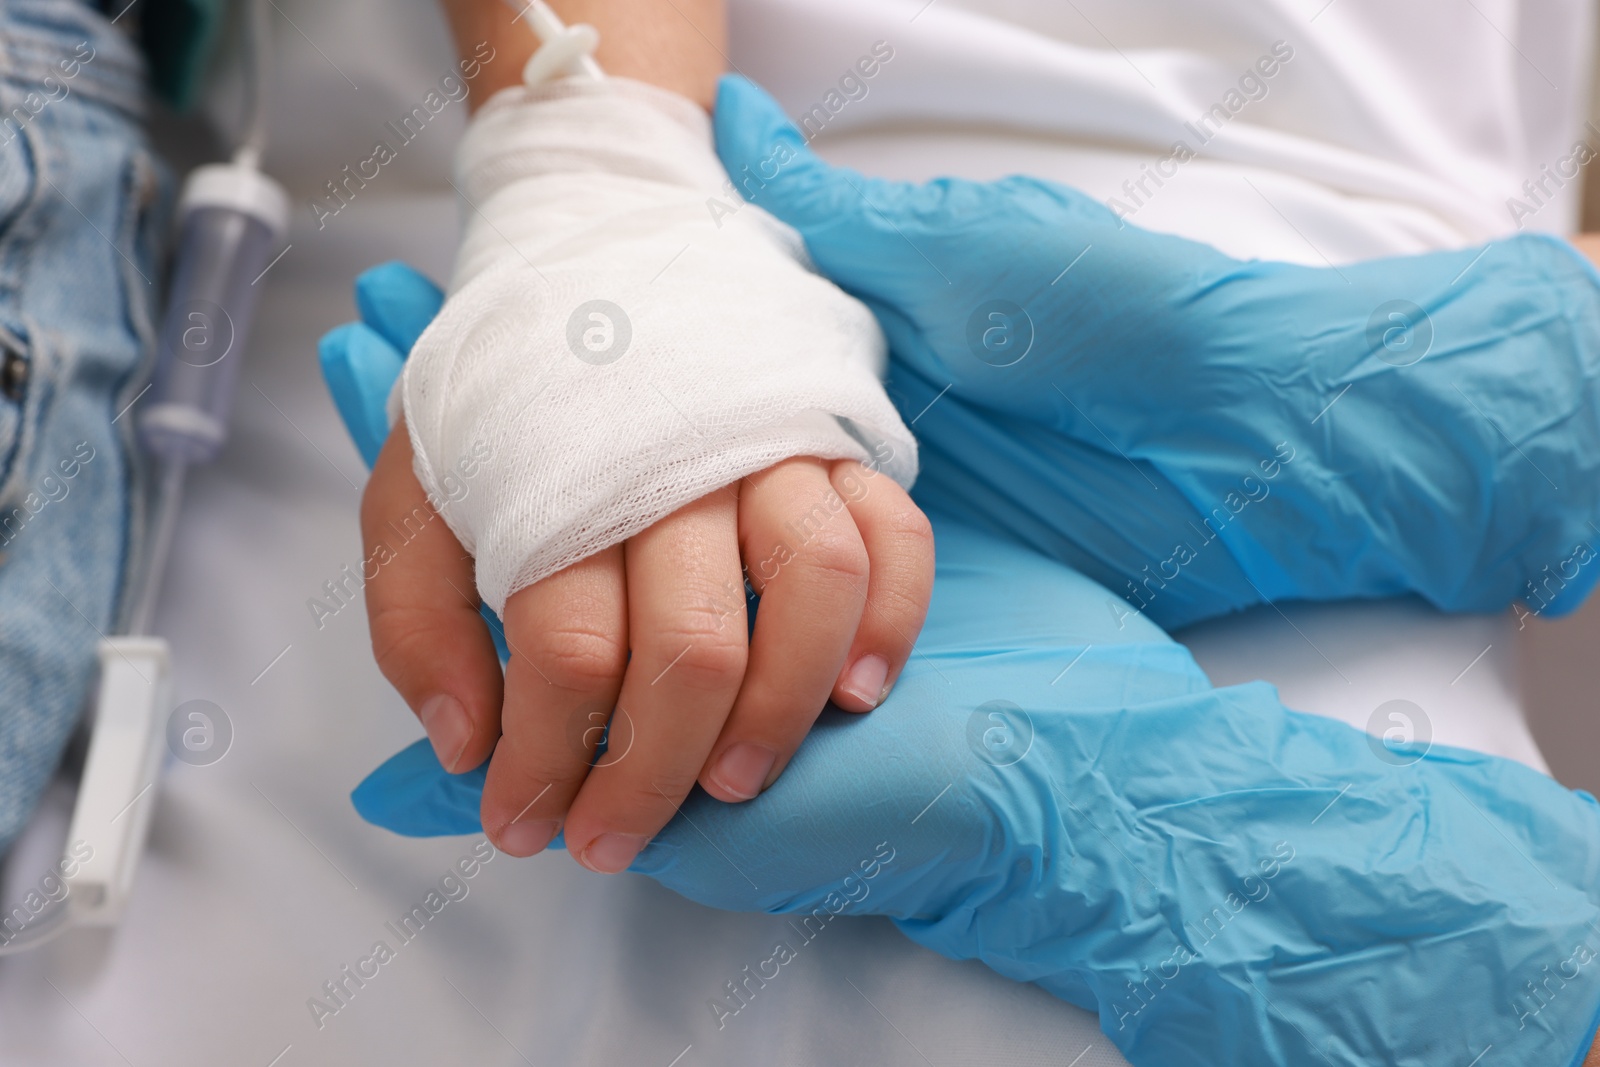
point(1424, 424)
point(655, 627)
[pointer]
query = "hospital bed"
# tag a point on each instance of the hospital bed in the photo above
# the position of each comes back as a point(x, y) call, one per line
point(261, 886)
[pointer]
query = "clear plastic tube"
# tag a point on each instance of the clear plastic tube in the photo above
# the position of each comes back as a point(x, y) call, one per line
point(257, 55)
point(168, 504)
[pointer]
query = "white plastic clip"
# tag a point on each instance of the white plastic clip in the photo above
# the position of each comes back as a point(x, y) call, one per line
point(116, 796)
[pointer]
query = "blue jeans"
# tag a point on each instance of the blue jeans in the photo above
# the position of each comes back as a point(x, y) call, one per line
point(82, 206)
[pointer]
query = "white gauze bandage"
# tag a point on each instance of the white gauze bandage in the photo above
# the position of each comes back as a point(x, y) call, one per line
point(616, 344)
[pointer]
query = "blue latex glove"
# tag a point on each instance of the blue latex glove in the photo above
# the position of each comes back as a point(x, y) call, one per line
point(1443, 411)
point(396, 305)
point(1062, 795)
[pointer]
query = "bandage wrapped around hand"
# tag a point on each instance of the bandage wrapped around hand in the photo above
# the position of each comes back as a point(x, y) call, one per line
point(622, 337)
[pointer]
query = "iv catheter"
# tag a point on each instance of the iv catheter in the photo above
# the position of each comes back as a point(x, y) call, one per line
point(563, 49)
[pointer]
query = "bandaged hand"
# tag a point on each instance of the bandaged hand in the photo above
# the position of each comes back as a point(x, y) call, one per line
point(626, 408)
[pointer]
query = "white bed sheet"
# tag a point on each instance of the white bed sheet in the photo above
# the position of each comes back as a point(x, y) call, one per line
point(261, 882)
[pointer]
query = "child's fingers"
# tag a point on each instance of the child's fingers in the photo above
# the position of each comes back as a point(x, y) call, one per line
point(568, 637)
point(899, 543)
point(686, 621)
point(800, 543)
point(422, 609)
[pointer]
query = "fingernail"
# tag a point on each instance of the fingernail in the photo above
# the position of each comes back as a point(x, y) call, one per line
point(743, 768)
point(866, 679)
point(610, 853)
point(528, 838)
point(448, 728)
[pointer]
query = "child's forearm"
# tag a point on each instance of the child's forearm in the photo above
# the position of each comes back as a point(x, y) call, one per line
point(676, 44)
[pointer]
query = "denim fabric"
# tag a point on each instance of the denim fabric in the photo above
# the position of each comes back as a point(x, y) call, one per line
point(81, 206)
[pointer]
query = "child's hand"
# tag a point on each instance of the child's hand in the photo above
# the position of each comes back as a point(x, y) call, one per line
point(620, 350)
point(655, 628)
